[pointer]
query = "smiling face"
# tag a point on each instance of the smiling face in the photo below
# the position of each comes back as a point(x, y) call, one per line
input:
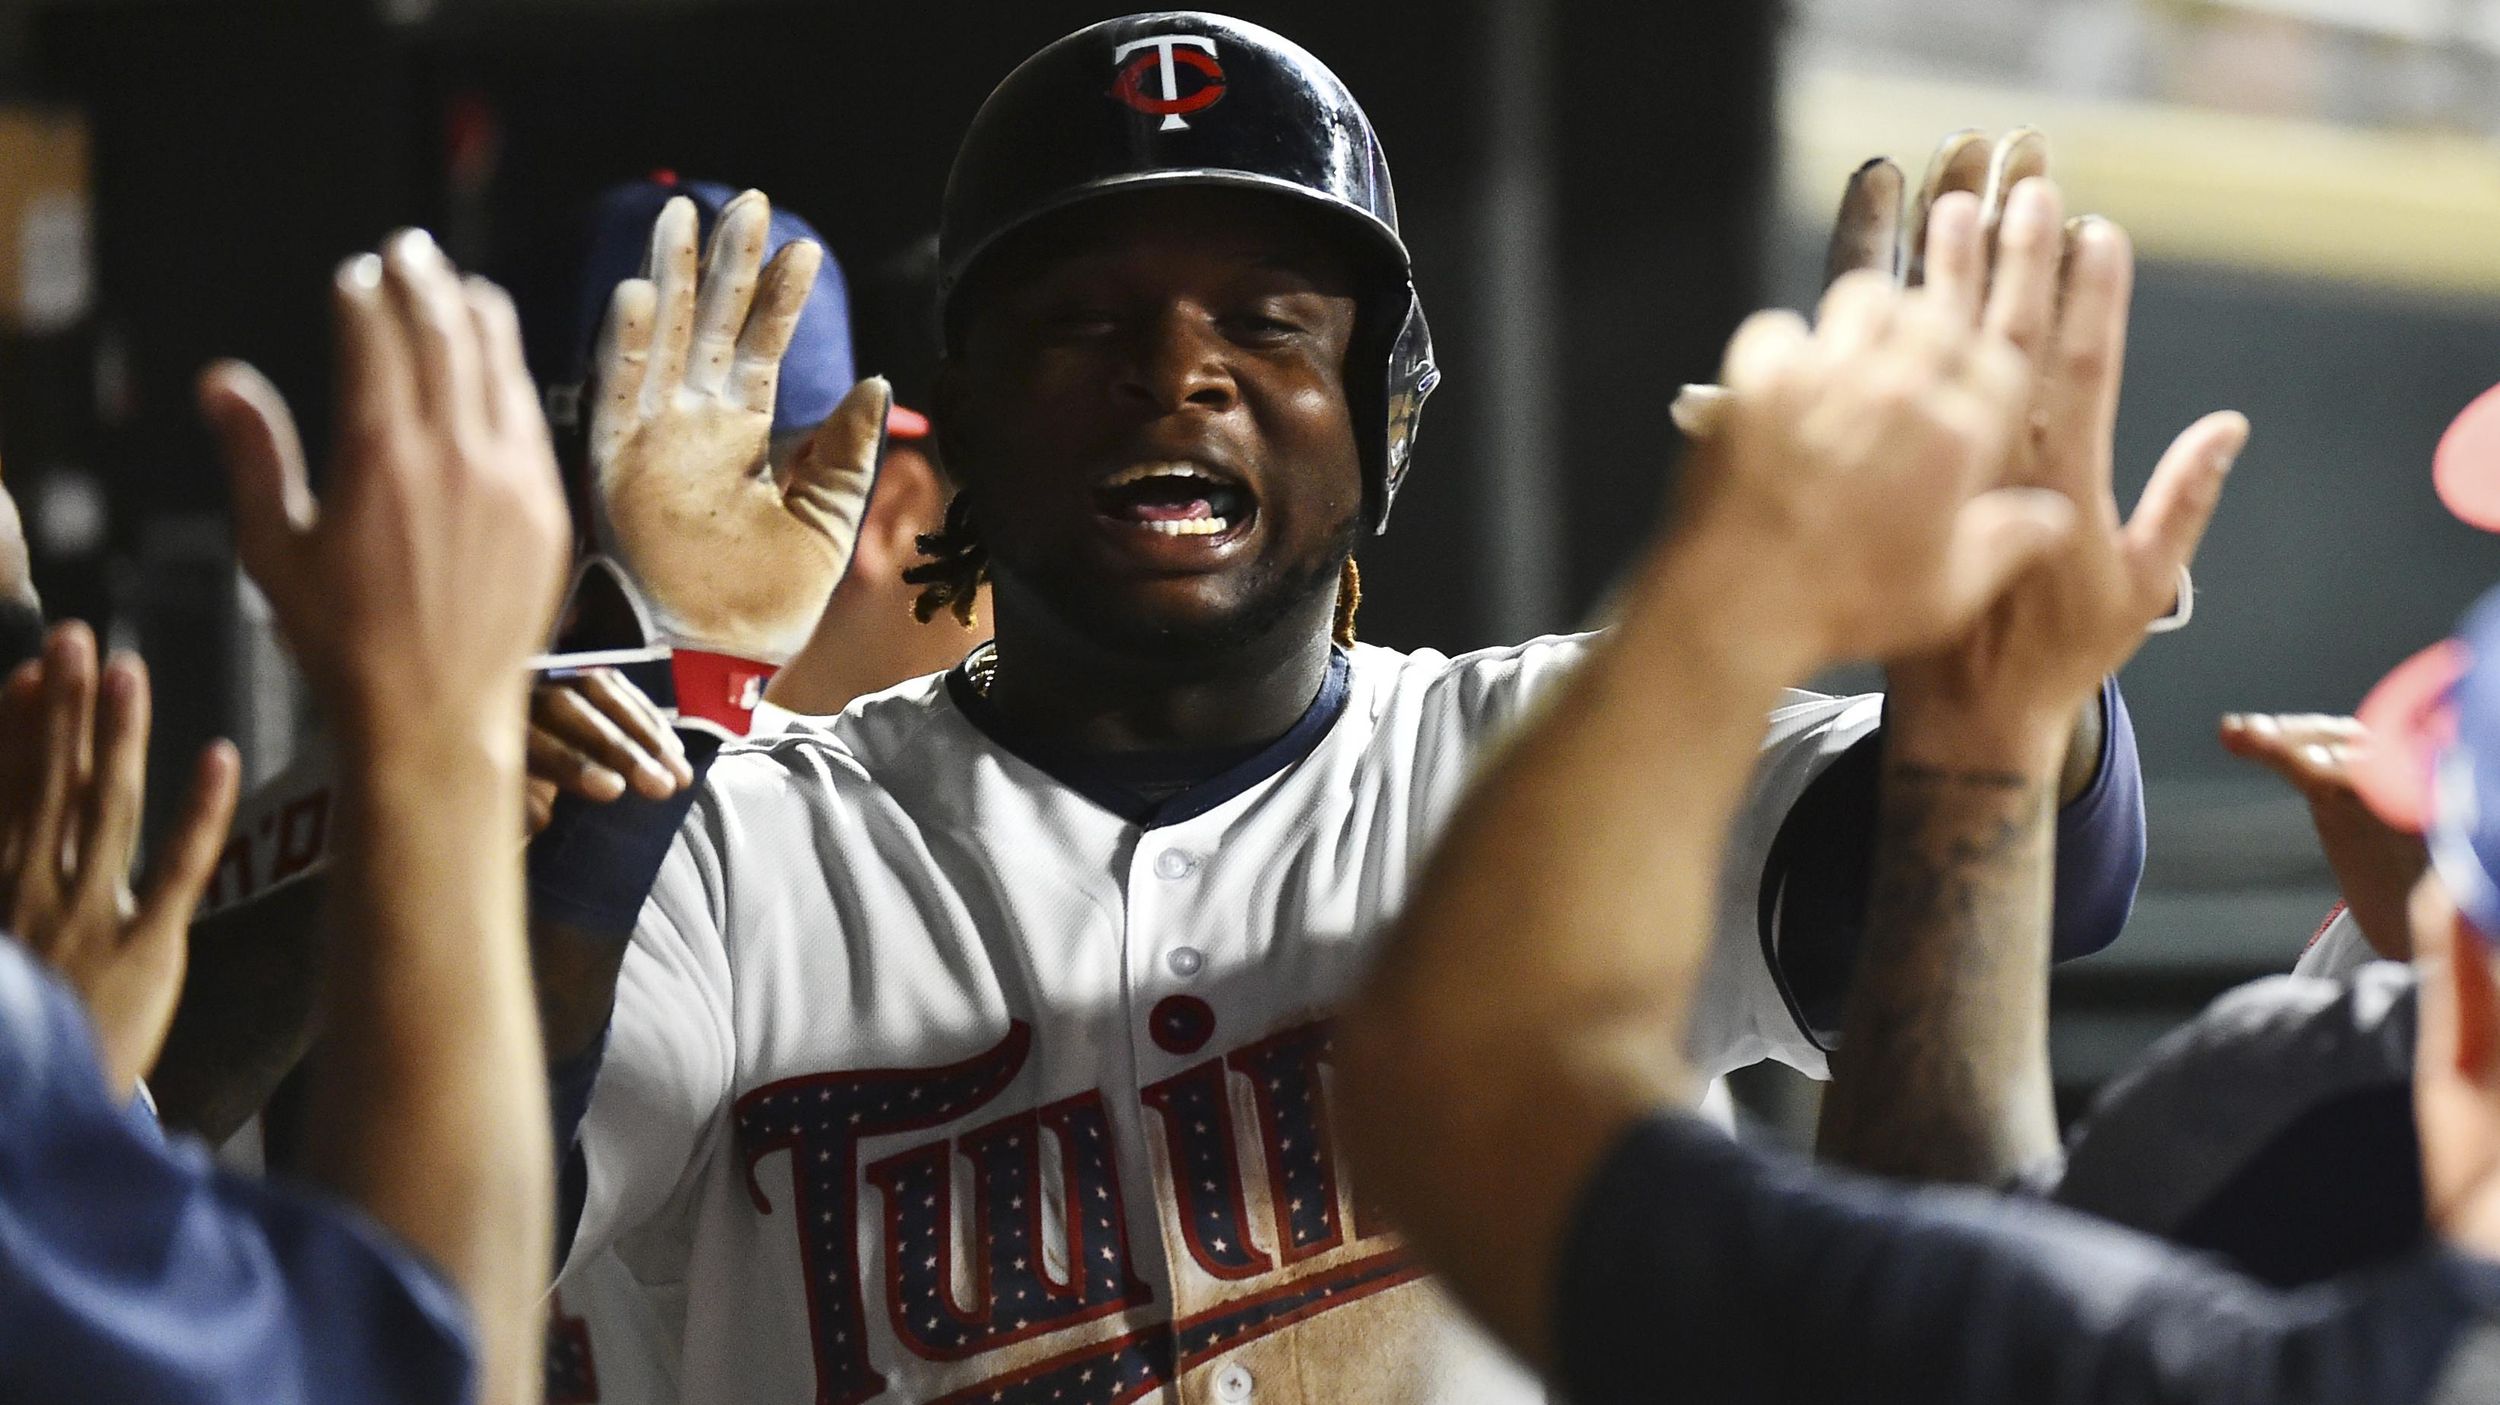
point(1149, 406)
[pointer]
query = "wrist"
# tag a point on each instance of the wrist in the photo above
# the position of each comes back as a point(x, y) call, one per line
point(451, 754)
point(2027, 741)
point(401, 723)
point(1729, 610)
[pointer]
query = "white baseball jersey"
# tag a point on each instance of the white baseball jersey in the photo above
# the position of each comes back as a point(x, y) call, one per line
point(933, 1080)
point(611, 1339)
point(2338, 950)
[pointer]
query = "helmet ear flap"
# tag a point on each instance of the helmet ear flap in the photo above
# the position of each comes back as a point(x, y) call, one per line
point(1410, 377)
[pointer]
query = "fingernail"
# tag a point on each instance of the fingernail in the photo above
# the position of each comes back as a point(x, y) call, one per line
point(603, 783)
point(363, 273)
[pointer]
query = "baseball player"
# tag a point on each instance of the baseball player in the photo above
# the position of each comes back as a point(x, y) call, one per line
point(975, 1045)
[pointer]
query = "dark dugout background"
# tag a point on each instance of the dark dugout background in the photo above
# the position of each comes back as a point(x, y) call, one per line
point(1586, 188)
point(1581, 190)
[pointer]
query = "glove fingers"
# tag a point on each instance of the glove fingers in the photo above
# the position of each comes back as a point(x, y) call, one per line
point(755, 373)
point(728, 288)
point(672, 274)
point(623, 362)
point(832, 473)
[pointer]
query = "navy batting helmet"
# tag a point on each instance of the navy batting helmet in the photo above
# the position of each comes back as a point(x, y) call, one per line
point(1179, 98)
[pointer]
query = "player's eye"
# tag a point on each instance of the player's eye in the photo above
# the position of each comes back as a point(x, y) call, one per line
point(1263, 325)
point(1081, 321)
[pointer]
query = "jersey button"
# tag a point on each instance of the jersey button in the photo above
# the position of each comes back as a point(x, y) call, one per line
point(1185, 961)
point(1172, 863)
point(1233, 1384)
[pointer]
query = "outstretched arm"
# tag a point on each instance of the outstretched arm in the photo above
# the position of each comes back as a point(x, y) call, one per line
point(1942, 1069)
point(413, 599)
point(1530, 1003)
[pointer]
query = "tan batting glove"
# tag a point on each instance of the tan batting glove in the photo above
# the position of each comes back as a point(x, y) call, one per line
point(1874, 232)
point(731, 557)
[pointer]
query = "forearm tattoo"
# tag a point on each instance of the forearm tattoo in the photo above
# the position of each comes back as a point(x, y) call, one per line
point(1942, 1069)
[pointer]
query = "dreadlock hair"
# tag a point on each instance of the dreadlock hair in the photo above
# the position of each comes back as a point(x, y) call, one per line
point(958, 565)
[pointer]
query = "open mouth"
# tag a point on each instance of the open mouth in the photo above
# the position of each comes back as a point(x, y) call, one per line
point(1175, 500)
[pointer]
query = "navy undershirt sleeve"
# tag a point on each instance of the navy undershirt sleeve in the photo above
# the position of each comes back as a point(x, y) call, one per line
point(131, 1269)
point(592, 868)
point(1821, 865)
point(1701, 1269)
point(570, 1082)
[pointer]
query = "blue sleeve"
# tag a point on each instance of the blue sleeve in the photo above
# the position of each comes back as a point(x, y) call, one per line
point(2100, 842)
point(1713, 1271)
point(570, 1083)
point(1821, 868)
point(592, 868)
point(134, 1270)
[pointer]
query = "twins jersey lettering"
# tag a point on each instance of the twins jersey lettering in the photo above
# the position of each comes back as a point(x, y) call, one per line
point(932, 1079)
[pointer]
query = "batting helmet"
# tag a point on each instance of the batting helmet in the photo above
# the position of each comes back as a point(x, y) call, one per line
point(1179, 98)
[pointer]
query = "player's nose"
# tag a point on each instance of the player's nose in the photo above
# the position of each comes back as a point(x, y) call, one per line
point(1177, 360)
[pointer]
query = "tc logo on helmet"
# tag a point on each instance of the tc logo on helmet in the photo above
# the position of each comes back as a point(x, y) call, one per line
point(1166, 61)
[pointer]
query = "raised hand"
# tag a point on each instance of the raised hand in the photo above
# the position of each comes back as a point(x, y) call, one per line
point(72, 781)
point(414, 597)
point(2060, 293)
point(417, 593)
point(1855, 468)
point(2376, 865)
point(1875, 234)
point(733, 558)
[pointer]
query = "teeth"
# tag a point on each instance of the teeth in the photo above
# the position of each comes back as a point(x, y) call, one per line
point(1193, 527)
point(1144, 471)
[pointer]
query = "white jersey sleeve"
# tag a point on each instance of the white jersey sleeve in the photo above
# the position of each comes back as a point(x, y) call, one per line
point(665, 1077)
point(2338, 950)
point(1743, 1013)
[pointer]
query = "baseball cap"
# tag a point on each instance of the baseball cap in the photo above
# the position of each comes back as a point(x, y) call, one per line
point(818, 369)
point(2433, 763)
point(2274, 1129)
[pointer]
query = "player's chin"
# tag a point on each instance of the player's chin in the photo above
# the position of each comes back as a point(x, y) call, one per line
point(1193, 614)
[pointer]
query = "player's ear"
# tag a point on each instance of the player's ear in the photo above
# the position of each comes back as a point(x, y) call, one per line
point(905, 505)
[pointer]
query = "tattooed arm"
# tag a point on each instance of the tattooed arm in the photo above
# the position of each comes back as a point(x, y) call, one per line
point(1942, 1070)
point(1943, 1066)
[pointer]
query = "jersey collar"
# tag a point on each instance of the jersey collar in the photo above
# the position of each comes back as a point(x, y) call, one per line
point(1081, 772)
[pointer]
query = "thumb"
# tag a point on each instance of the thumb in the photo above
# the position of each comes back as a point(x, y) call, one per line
point(1995, 536)
point(2179, 502)
point(832, 473)
point(273, 506)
